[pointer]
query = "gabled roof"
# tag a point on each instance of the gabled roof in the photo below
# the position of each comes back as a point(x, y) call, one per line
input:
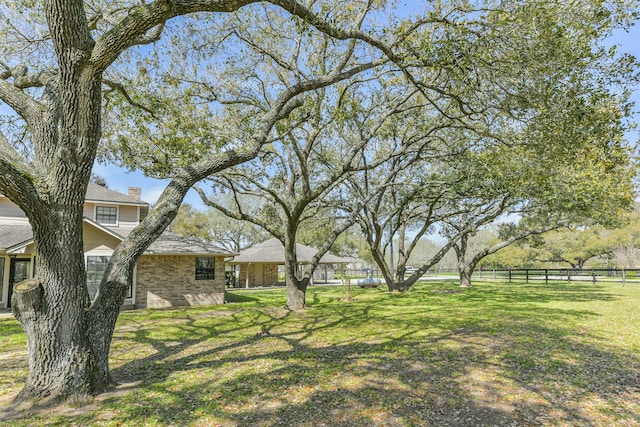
point(98, 193)
point(272, 252)
point(14, 235)
point(174, 244)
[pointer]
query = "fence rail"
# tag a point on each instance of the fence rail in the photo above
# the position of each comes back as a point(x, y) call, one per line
point(562, 274)
point(530, 274)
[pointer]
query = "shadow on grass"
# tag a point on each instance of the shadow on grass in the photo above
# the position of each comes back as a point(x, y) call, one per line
point(493, 355)
point(232, 297)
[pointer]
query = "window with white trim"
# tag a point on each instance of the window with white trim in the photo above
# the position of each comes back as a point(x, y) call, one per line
point(96, 266)
point(107, 215)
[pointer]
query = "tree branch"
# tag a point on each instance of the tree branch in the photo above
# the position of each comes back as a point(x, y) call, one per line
point(20, 102)
point(121, 89)
point(131, 30)
point(17, 176)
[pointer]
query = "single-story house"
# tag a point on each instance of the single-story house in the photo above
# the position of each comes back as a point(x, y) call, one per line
point(259, 264)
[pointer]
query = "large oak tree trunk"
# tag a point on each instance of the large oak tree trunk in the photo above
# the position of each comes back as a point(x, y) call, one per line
point(101, 321)
point(65, 137)
point(401, 266)
point(52, 311)
point(465, 271)
point(296, 287)
point(295, 297)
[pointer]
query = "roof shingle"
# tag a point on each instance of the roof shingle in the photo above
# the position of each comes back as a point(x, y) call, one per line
point(97, 193)
point(14, 234)
point(272, 252)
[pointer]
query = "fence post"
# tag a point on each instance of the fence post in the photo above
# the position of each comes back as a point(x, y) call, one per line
point(624, 277)
point(593, 275)
point(526, 275)
point(509, 275)
point(546, 276)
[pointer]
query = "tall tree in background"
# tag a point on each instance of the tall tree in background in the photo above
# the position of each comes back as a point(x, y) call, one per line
point(300, 172)
point(626, 254)
point(573, 248)
point(549, 92)
point(59, 56)
point(590, 184)
point(401, 215)
point(211, 226)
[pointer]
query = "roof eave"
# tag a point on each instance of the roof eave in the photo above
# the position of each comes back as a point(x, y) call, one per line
point(152, 252)
point(18, 248)
point(111, 202)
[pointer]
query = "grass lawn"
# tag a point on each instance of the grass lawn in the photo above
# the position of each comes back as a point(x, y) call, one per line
point(497, 354)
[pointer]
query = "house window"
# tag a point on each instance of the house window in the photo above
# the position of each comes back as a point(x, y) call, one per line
point(107, 214)
point(96, 266)
point(205, 268)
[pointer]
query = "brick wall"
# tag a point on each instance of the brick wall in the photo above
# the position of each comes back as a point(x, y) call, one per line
point(169, 280)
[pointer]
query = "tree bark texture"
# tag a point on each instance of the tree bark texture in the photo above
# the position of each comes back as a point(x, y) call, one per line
point(296, 286)
point(52, 313)
point(465, 271)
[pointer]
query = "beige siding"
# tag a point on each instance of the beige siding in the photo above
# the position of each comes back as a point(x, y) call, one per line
point(97, 240)
point(169, 280)
point(89, 210)
point(128, 216)
point(9, 209)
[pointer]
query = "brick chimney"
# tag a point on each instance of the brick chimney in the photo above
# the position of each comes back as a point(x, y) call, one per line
point(135, 193)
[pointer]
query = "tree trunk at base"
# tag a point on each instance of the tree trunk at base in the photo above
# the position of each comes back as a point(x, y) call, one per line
point(296, 297)
point(296, 288)
point(346, 284)
point(101, 320)
point(68, 349)
point(53, 311)
point(398, 287)
point(60, 362)
point(296, 285)
point(465, 268)
point(465, 276)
